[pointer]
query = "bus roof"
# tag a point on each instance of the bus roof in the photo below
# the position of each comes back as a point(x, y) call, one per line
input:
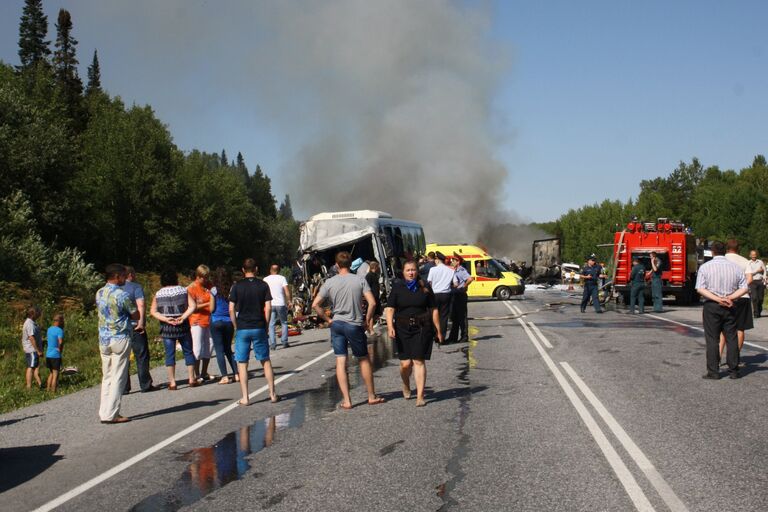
point(354, 214)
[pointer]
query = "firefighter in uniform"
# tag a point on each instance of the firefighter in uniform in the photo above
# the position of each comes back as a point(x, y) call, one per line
point(656, 282)
point(590, 276)
point(637, 291)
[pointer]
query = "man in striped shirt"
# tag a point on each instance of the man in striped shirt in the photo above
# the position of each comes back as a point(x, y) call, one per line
point(721, 283)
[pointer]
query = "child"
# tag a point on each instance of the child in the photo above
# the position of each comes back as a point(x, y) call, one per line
point(53, 354)
point(32, 342)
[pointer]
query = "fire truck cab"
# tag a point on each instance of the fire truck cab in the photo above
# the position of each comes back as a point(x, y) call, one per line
point(675, 246)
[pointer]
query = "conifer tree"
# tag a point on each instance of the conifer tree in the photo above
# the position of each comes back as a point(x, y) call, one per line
point(94, 75)
point(240, 161)
point(33, 28)
point(65, 59)
point(285, 211)
point(224, 161)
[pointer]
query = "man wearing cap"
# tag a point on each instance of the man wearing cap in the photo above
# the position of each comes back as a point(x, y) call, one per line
point(461, 280)
point(590, 276)
point(440, 278)
point(637, 290)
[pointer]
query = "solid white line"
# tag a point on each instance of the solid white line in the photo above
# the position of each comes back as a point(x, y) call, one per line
point(662, 487)
point(626, 478)
point(541, 335)
point(759, 347)
point(162, 444)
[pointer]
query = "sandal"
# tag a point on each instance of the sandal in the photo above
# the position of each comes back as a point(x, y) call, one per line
point(377, 400)
point(241, 404)
point(225, 380)
point(276, 399)
point(172, 387)
point(345, 407)
point(194, 384)
point(420, 403)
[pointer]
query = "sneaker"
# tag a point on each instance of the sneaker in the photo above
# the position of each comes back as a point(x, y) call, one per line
point(711, 376)
point(273, 347)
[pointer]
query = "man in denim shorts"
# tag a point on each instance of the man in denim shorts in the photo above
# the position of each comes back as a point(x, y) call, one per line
point(250, 305)
point(345, 291)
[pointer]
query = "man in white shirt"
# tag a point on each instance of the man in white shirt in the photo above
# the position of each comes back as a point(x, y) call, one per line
point(440, 278)
point(756, 267)
point(742, 306)
point(281, 297)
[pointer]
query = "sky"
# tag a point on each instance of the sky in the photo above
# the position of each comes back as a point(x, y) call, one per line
point(586, 100)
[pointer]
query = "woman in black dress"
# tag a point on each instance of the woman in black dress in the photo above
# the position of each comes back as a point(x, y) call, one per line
point(412, 320)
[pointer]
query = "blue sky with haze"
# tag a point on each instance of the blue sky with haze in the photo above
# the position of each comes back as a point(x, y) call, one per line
point(595, 96)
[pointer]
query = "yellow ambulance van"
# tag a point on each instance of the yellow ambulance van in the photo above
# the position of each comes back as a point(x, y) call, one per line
point(491, 278)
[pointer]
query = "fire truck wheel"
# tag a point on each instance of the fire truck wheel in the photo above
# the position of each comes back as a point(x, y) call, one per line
point(503, 293)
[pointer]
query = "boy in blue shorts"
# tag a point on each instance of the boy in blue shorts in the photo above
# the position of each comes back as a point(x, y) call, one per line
point(32, 343)
point(250, 305)
point(53, 353)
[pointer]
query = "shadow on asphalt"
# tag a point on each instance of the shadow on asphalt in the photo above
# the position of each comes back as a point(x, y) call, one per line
point(16, 420)
point(23, 463)
point(753, 364)
point(178, 408)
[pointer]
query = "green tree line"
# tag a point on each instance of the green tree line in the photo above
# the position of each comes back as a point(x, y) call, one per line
point(716, 204)
point(86, 180)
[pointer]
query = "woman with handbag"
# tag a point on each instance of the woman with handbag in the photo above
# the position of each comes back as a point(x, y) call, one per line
point(412, 321)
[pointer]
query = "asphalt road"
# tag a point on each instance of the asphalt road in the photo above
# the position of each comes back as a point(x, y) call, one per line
point(554, 410)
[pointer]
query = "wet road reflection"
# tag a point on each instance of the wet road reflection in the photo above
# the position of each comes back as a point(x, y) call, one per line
point(212, 467)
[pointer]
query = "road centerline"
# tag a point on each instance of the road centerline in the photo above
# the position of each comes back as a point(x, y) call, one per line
point(93, 482)
point(635, 492)
point(646, 466)
point(764, 349)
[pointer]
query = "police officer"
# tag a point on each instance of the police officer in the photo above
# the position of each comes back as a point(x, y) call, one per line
point(637, 290)
point(590, 276)
point(656, 268)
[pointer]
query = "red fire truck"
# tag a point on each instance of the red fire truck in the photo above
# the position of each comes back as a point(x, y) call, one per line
point(672, 242)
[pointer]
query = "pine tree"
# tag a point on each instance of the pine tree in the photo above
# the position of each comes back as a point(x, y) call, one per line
point(94, 75)
point(240, 161)
point(65, 59)
point(285, 211)
point(33, 28)
point(224, 161)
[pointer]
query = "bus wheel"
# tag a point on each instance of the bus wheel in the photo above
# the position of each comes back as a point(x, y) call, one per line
point(503, 293)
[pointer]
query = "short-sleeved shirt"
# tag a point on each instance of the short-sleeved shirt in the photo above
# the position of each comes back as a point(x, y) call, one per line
point(31, 329)
point(276, 284)
point(54, 333)
point(742, 262)
point(408, 303)
point(460, 278)
point(200, 294)
point(757, 269)
point(345, 292)
point(115, 308)
point(172, 301)
point(721, 277)
point(440, 277)
point(249, 296)
point(659, 268)
point(136, 292)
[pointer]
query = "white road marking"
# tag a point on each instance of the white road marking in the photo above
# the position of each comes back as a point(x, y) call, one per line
point(662, 487)
point(759, 347)
point(541, 335)
point(162, 444)
point(626, 478)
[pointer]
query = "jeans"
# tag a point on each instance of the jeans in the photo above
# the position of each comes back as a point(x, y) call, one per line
point(222, 333)
point(278, 313)
point(140, 348)
point(186, 348)
point(344, 334)
point(637, 296)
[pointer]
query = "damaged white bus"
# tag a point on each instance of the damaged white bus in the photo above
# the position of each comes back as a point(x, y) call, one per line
point(366, 234)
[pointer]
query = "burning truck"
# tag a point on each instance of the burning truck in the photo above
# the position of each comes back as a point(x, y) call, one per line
point(365, 234)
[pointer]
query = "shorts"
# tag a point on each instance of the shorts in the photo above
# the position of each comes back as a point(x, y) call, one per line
point(33, 360)
point(186, 348)
point(743, 311)
point(53, 363)
point(247, 338)
point(201, 341)
point(344, 334)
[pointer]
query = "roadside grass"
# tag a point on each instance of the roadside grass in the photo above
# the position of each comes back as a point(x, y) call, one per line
point(81, 347)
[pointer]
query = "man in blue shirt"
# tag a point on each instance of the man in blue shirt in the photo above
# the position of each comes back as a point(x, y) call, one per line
point(461, 280)
point(139, 343)
point(590, 276)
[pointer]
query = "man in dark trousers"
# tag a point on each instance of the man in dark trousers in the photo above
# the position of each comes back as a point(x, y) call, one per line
point(721, 283)
point(139, 342)
point(590, 276)
point(637, 290)
point(461, 280)
point(656, 293)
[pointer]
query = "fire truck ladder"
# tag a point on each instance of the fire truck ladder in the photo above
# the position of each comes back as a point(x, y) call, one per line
point(616, 257)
